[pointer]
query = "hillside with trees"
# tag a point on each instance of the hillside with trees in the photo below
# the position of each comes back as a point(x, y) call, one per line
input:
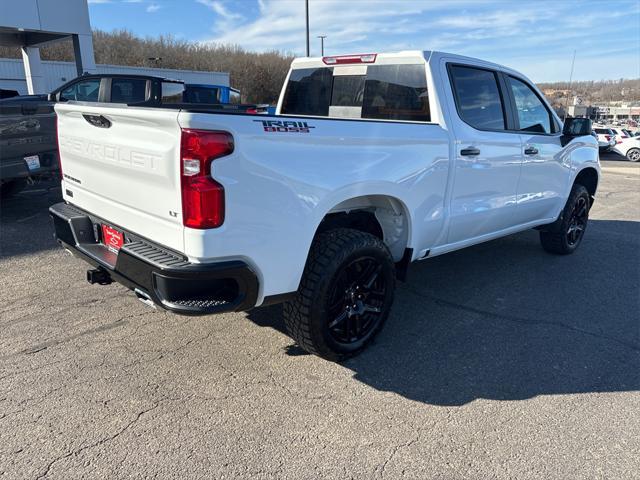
point(595, 91)
point(260, 75)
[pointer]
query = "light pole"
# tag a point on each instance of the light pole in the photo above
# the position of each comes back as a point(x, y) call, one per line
point(306, 12)
point(322, 37)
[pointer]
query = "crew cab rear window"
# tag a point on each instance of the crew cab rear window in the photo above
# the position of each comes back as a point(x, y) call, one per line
point(308, 92)
point(386, 92)
point(347, 91)
point(128, 90)
point(396, 92)
point(477, 97)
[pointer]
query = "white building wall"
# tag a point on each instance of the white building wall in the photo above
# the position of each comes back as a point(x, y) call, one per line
point(12, 74)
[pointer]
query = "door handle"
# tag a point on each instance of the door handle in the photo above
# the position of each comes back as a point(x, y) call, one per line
point(470, 151)
point(531, 151)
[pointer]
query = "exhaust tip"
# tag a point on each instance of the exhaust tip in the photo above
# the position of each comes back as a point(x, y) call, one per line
point(144, 298)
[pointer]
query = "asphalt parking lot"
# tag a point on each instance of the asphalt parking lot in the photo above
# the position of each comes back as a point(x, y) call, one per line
point(499, 361)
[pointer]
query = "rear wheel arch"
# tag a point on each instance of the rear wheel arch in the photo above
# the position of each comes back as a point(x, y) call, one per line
point(383, 216)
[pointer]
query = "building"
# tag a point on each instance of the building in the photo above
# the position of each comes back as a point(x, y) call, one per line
point(54, 74)
point(583, 111)
point(29, 24)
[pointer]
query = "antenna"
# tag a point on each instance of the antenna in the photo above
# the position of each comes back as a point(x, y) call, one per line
point(566, 103)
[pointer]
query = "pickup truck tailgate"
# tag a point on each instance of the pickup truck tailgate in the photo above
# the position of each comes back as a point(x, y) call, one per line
point(122, 165)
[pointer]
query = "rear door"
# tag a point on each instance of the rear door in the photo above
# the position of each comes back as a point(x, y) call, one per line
point(122, 164)
point(488, 157)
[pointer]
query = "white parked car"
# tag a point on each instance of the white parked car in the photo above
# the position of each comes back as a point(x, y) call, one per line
point(630, 148)
point(620, 134)
point(606, 138)
point(371, 162)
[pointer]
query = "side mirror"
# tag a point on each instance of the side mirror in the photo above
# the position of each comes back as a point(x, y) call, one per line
point(51, 97)
point(577, 127)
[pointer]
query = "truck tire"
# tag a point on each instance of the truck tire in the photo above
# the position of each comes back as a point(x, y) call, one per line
point(564, 236)
point(12, 187)
point(345, 294)
point(633, 155)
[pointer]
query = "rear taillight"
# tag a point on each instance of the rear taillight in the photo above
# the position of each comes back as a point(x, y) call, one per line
point(346, 59)
point(58, 147)
point(202, 196)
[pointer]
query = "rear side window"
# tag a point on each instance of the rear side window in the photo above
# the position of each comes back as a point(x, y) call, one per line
point(477, 97)
point(533, 115)
point(172, 92)
point(128, 90)
point(396, 92)
point(84, 91)
point(308, 92)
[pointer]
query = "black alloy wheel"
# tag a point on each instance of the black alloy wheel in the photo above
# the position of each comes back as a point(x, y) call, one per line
point(577, 221)
point(356, 300)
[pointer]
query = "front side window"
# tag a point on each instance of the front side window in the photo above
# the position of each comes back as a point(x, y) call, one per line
point(396, 92)
point(308, 92)
point(533, 115)
point(128, 90)
point(478, 98)
point(84, 91)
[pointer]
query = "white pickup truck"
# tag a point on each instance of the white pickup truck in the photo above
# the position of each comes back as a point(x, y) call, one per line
point(370, 163)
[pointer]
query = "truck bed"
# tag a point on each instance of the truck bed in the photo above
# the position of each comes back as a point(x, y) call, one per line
point(284, 175)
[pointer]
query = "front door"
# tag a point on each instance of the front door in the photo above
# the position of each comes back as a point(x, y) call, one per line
point(546, 166)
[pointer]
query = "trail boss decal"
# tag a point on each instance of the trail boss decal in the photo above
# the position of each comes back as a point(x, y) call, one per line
point(284, 126)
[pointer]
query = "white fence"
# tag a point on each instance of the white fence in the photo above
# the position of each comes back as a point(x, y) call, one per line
point(56, 73)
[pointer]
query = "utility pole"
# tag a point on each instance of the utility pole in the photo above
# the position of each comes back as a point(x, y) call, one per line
point(322, 37)
point(306, 12)
point(566, 107)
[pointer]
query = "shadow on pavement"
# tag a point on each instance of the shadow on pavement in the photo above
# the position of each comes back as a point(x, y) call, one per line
point(507, 321)
point(502, 320)
point(25, 226)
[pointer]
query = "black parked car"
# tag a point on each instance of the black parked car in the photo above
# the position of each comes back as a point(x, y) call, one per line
point(139, 90)
point(28, 146)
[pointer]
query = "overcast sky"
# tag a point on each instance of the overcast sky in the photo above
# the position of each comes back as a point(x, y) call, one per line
point(535, 37)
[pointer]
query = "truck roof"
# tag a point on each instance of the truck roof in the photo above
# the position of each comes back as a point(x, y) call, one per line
point(406, 56)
